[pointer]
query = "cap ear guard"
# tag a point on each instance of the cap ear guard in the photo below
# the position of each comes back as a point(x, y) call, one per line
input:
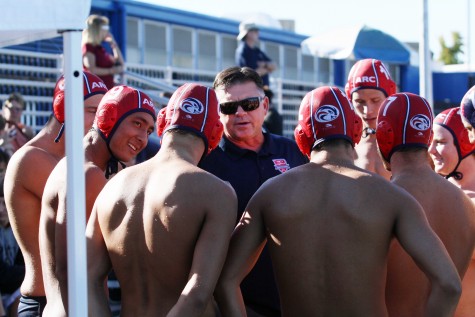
point(465, 146)
point(161, 121)
point(385, 137)
point(304, 142)
point(106, 117)
point(357, 129)
point(215, 135)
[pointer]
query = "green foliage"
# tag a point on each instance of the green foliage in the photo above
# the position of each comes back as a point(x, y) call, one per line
point(450, 54)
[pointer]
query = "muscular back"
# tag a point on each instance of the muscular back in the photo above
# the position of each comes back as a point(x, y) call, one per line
point(329, 237)
point(165, 225)
point(451, 215)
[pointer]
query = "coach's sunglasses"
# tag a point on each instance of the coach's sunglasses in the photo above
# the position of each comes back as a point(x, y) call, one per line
point(248, 104)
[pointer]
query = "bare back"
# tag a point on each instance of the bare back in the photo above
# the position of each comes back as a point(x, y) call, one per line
point(25, 179)
point(166, 226)
point(451, 215)
point(53, 233)
point(368, 157)
point(466, 305)
point(329, 237)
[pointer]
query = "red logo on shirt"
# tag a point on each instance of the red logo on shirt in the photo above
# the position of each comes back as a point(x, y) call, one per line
point(281, 165)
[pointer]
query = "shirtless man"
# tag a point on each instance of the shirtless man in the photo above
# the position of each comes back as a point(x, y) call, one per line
point(369, 83)
point(108, 142)
point(404, 133)
point(454, 157)
point(164, 225)
point(329, 239)
point(25, 180)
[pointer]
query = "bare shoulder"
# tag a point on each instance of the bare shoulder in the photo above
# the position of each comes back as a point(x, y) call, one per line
point(30, 166)
point(212, 188)
point(94, 175)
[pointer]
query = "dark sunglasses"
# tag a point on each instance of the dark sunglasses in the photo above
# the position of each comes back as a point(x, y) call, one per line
point(248, 104)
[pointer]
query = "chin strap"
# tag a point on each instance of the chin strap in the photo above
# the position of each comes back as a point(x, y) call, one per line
point(113, 166)
point(455, 174)
point(60, 133)
point(367, 131)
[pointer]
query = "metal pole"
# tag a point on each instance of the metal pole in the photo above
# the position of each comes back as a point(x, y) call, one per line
point(76, 205)
point(469, 36)
point(425, 72)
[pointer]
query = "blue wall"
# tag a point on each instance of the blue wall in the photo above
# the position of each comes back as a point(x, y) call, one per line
point(451, 87)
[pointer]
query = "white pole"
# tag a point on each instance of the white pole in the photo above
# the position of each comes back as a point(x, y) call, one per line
point(425, 72)
point(76, 205)
point(469, 36)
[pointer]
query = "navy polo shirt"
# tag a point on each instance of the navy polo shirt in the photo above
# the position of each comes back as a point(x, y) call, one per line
point(250, 56)
point(247, 170)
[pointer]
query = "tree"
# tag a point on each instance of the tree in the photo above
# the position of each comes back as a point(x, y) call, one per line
point(450, 54)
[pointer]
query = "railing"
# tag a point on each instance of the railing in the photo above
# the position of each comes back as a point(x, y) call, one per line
point(34, 75)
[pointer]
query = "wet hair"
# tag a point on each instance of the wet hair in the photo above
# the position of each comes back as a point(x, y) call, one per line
point(237, 75)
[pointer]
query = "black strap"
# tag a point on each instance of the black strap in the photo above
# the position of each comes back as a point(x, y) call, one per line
point(113, 166)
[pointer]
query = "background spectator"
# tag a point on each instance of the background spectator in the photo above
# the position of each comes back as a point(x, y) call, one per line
point(16, 133)
point(96, 58)
point(12, 267)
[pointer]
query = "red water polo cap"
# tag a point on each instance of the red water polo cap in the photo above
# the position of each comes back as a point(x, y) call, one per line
point(193, 107)
point(370, 74)
point(325, 113)
point(93, 85)
point(404, 120)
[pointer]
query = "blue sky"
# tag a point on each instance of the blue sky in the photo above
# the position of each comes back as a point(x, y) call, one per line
point(401, 18)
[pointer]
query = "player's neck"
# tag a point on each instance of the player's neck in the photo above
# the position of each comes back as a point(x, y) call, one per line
point(409, 162)
point(467, 168)
point(335, 155)
point(188, 148)
point(95, 150)
point(45, 139)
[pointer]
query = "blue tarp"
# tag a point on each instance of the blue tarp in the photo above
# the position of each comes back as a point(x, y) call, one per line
point(357, 43)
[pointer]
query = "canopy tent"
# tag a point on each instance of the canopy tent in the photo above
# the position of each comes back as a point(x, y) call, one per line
point(25, 21)
point(357, 43)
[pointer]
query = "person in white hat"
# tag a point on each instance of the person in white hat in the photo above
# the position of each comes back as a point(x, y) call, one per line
point(249, 54)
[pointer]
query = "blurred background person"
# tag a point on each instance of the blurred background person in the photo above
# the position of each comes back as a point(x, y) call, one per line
point(12, 266)
point(96, 57)
point(273, 121)
point(248, 53)
point(16, 133)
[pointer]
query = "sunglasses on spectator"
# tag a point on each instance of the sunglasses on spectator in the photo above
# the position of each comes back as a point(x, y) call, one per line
point(248, 104)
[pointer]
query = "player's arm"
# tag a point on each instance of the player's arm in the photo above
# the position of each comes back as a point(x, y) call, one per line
point(422, 244)
point(210, 252)
point(46, 238)
point(246, 245)
point(98, 267)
